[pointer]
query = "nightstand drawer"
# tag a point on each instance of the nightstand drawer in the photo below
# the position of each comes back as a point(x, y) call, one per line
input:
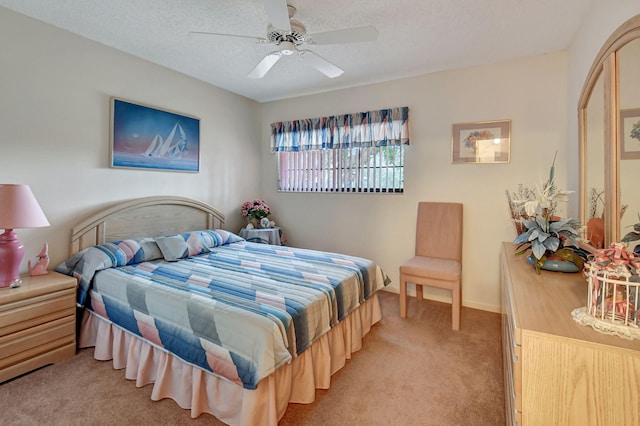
point(28, 313)
point(25, 344)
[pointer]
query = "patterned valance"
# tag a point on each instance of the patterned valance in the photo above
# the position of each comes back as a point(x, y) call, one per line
point(363, 129)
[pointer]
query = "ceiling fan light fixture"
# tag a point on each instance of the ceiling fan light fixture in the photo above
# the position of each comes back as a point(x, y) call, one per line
point(287, 48)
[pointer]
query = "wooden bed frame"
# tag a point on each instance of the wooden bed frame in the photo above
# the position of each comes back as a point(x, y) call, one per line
point(145, 217)
point(189, 386)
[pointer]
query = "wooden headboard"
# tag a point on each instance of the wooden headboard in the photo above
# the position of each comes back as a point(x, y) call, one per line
point(145, 217)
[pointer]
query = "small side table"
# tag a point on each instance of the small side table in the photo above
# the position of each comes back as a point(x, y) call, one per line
point(271, 236)
point(37, 323)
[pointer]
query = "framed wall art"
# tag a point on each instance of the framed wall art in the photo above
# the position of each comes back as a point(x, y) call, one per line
point(630, 133)
point(481, 142)
point(144, 137)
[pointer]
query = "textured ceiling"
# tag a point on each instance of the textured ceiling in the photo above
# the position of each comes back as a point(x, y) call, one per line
point(415, 36)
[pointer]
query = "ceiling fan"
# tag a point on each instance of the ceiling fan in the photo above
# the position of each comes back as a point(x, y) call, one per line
point(288, 34)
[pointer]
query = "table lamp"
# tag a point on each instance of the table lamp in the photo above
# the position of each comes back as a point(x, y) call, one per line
point(18, 209)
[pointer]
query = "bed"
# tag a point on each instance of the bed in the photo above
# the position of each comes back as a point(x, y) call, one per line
point(220, 325)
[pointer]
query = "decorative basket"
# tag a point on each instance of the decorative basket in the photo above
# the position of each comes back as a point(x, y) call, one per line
point(613, 305)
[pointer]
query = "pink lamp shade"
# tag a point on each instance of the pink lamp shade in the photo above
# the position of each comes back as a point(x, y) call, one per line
point(18, 209)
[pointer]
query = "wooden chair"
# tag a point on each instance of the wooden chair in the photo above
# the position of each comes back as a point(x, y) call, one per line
point(438, 255)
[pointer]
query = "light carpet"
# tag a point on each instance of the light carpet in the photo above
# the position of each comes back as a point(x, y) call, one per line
point(413, 371)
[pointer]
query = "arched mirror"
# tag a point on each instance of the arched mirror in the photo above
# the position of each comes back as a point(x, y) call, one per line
point(629, 134)
point(608, 110)
point(594, 180)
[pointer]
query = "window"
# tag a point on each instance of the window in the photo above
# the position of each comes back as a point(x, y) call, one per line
point(369, 169)
point(362, 152)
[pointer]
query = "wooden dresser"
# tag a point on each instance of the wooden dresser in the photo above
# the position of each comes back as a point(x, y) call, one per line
point(556, 371)
point(37, 323)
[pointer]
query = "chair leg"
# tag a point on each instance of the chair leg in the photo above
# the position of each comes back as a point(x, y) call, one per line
point(455, 307)
point(403, 297)
point(419, 292)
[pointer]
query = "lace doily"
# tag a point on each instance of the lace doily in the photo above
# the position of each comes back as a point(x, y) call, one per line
point(630, 331)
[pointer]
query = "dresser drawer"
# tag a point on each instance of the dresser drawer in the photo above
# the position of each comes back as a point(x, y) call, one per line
point(513, 416)
point(511, 354)
point(514, 352)
point(512, 367)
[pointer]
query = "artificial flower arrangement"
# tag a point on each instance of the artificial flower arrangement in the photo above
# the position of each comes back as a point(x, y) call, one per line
point(613, 293)
point(547, 236)
point(613, 282)
point(256, 209)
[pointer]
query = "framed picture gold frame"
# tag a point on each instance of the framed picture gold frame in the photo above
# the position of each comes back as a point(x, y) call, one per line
point(630, 134)
point(481, 142)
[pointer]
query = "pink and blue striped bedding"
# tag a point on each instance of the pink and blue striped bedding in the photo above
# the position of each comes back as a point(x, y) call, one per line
point(239, 309)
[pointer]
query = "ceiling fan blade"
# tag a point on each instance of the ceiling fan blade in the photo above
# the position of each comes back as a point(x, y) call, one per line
point(278, 14)
point(321, 64)
point(349, 35)
point(204, 33)
point(265, 65)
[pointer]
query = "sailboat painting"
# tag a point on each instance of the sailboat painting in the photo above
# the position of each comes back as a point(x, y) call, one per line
point(149, 138)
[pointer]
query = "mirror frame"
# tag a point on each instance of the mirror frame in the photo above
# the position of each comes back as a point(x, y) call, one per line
point(606, 66)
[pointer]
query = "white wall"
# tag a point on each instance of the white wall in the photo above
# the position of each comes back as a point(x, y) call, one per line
point(54, 114)
point(54, 119)
point(531, 92)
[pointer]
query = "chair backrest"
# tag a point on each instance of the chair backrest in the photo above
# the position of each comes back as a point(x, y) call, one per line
point(439, 230)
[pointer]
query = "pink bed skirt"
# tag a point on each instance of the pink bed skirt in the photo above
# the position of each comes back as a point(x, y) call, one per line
point(201, 392)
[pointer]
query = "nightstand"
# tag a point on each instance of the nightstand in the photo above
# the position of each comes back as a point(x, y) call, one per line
point(263, 235)
point(37, 323)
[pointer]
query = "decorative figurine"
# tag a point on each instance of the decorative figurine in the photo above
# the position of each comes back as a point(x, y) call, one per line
point(265, 223)
point(40, 267)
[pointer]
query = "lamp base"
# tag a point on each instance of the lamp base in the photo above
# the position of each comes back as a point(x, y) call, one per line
point(11, 253)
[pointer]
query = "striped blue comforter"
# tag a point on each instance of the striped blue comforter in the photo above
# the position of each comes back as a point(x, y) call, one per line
point(239, 310)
